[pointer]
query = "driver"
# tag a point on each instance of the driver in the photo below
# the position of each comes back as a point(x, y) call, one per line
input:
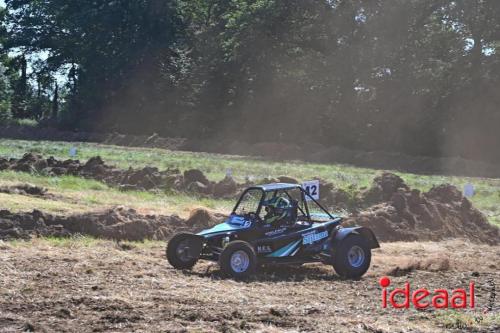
point(277, 210)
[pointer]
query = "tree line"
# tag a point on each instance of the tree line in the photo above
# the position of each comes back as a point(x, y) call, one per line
point(415, 76)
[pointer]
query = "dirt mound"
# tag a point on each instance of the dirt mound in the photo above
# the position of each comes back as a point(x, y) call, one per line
point(383, 188)
point(147, 178)
point(286, 179)
point(337, 198)
point(409, 215)
point(389, 206)
point(397, 213)
point(202, 218)
point(445, 193)
point(117, 223)
point(195, 175)
point(24, 189)
point(226, 188)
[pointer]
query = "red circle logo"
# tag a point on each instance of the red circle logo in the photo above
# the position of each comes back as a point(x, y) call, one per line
point(384, 282)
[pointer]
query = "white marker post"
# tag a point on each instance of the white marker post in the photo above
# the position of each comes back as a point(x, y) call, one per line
point(469, 190)
point(72, 152)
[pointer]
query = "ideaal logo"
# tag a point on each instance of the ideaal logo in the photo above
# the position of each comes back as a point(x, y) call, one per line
point(422, 298)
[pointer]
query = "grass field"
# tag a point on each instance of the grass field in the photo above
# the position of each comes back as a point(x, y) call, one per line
point(83, 194)
point(77, 195)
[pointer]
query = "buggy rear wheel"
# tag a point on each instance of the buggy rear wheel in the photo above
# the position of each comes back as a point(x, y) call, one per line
point(352, 257)
point(183, 250)
point(238, 260)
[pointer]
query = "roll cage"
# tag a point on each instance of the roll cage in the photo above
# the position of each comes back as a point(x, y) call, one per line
point(269, 191)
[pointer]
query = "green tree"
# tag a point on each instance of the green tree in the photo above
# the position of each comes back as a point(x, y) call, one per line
point(414, 76)
point(114, 48)
point(5, 114)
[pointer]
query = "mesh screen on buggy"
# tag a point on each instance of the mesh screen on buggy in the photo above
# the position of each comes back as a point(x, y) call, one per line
point(249, 202)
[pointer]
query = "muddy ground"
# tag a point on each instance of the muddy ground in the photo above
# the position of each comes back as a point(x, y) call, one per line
point(115, 288)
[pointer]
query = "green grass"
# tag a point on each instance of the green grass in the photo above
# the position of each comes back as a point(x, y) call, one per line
point(54, 241)
point(76, 195)
point(79, 241)
point(458, 320)
point(23, 122)
point(487, 196)
point(62, 182)
point(214, 165)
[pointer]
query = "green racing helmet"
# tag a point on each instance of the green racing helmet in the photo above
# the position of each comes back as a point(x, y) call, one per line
point(276, 208)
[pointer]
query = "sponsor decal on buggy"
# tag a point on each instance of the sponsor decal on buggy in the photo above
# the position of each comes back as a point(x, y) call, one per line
point(314, 236)
point(239, 221)
point(264, 249)
point(275, 232)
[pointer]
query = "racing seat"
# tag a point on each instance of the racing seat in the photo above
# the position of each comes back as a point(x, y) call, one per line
point(294, 222)
point(291, 213)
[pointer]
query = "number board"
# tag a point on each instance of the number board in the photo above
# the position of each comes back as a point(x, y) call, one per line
point(311, 187)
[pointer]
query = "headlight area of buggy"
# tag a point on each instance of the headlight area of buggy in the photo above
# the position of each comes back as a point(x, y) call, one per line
point(272, 224)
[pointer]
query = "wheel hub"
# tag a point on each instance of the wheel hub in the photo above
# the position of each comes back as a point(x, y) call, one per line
point(356, 256)
point(183, 251)
point(240, 261)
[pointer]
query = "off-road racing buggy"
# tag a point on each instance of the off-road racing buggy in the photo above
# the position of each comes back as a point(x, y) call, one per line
point(304, 232)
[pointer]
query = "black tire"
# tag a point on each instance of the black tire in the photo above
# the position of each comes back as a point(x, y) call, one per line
point(187, 257)
point(227, 256)
point(356, 267)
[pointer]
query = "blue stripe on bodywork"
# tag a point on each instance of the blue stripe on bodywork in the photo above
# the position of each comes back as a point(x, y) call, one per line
point(286, 250)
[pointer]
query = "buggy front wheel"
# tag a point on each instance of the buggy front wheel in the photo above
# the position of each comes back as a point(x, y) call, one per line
point(183, 250)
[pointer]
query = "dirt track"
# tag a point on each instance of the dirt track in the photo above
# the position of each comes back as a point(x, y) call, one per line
point(110, 287)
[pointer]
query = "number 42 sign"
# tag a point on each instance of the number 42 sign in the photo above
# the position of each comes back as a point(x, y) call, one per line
point(312, 188)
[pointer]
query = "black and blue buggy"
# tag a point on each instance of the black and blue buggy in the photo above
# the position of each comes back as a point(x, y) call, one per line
point(276, 224)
